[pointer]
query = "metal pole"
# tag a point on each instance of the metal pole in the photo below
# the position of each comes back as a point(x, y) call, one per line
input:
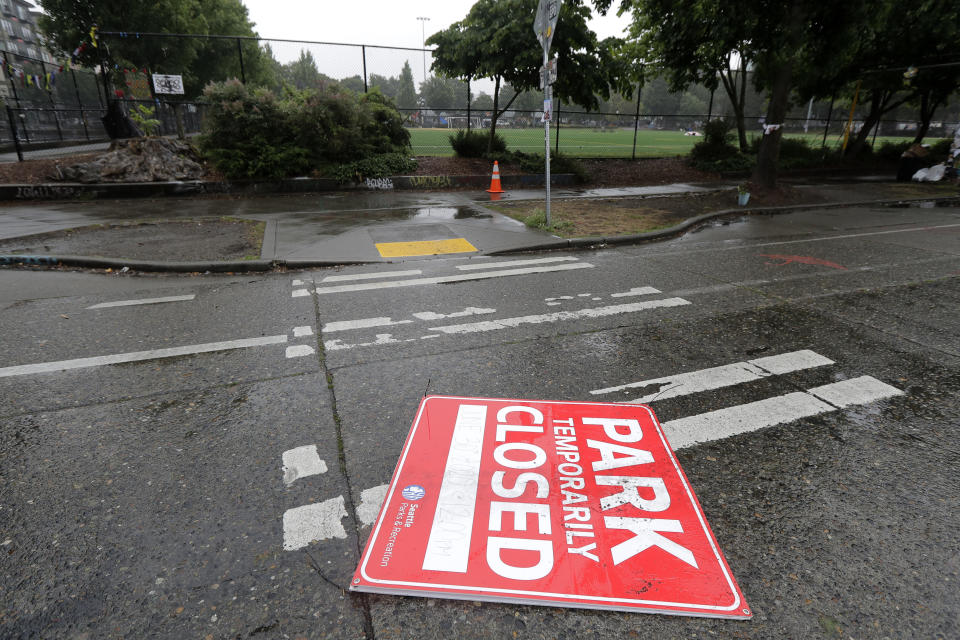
point(873, 143)
point(710, 108)
point(826, 129)
point(13, 131)
point(556, 142)
point(468, 104)
point(243, 75)
point(83, 117)
point(13, 85)
point(546, 129)
point(636, 124)
point(53, 105)
point(363, 52)
point(423, 39)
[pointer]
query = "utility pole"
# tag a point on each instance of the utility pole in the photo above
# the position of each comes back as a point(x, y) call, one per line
point(423, 39)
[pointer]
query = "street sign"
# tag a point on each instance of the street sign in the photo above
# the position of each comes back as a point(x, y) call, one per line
point(548, 73)
point(548, 11)
point(167, 84)
point(575, 504)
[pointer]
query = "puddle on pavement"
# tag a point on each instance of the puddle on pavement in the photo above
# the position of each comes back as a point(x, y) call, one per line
point(447, 213)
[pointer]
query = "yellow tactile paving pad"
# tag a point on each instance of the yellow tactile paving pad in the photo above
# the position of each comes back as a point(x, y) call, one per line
point(424, 247)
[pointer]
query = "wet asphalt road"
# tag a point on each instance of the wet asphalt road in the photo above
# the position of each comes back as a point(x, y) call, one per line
point(146, 498)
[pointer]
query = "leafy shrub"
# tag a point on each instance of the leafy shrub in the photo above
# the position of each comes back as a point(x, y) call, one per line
point(941, 148)
point(473, 144)
point(378, 166)
point(716, 153)
point(538, 220)
point(892, 151)
point(559, 163)
point(143, 116)
point(255, 134)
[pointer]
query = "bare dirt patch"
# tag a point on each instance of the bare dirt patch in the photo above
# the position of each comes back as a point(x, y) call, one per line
point(206, 239)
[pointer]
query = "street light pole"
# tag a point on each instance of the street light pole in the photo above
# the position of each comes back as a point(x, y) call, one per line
point(423, 38)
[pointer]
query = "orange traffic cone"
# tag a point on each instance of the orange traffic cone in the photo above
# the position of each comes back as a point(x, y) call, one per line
point(495, 179)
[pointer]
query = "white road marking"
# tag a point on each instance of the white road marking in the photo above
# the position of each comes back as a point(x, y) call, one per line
point(513, 263)
point(469, 311)
point(370, 502)
point(298, 283)
point(373, 276)
point(136, 356)
point(724, 423)
point(130, 303)
point(302, 462)
point(860, 390)
point(299, 293)
point(636, 291)
point(382, 338)
point(722, 376)
point(587, 295)
point(464, 277)
point(313, 522)
point(596, 312)
point(364, 323)
point(299, 350)
point(299, 332)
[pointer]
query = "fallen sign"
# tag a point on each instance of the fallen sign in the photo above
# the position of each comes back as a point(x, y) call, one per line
point(576, 504)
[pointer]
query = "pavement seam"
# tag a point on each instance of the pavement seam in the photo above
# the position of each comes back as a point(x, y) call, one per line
point(351, 507)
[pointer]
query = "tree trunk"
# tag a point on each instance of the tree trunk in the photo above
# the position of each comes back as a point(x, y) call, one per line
point(765, 173)
point(737, 97)
point(493, 119)
point(928, 106)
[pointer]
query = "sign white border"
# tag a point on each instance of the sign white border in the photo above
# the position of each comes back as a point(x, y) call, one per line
point(600, 600)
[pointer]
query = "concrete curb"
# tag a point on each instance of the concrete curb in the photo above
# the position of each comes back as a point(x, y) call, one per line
point(267, 264)
point(662, 234)
point(99, 191)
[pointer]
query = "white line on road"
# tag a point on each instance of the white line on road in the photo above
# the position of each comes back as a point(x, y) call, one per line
point(464, 277)
point(370, 502)
point(596, 312)
point(299, 332)
point(381, 338)
point(320, 521)
point(722, 376)
point(130, 303)
point(136, 356)
point(724, 423)
point(299, 350)
point(302, 462)
point(373, 276)
point(364, 323)
point(299, 293)
point(469, 311)
point(513, 263)
point(636, 291)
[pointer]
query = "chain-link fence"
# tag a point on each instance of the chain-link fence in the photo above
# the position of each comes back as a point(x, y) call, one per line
point(652, 122)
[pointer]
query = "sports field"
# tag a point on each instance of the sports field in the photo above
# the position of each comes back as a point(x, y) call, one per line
point(581, 142)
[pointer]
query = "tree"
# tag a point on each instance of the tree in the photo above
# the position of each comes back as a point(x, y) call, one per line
point(353, 83)
point(440, 93)
point(406, 93)
point(388, 86)
point(302, 73)
point(67, 23)
point(496, 41)
point(694, 39)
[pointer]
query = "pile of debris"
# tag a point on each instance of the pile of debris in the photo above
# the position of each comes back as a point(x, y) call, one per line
point(138, 160)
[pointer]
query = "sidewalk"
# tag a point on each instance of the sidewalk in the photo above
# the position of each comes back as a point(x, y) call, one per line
point(346, 227)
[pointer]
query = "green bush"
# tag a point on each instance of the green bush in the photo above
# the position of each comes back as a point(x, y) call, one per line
point(559, 163)
point(379, 166)
point(941, 148)
point(892, 151)
point(538, 220)
point(716, 153)
point(255, 134)
point(473, 144)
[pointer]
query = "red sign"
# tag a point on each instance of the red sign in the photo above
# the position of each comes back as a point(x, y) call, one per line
point(578, 504)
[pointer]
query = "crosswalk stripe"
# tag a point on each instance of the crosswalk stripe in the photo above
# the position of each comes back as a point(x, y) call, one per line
point(513, 263)
point(722, 376)
point(372, 276)
point(752, 416)
point(462, 277)
point(130, 303)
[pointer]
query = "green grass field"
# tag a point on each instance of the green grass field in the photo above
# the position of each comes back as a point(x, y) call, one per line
point(595, 143)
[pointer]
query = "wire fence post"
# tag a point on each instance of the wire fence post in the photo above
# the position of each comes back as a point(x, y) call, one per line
point(53, 105)
point(468, 104)
point(636, 124)
point(83, 116)
point(13, 133)
point(363, 52)
point(243, 75)
point(826, 129)
point(710, 108)
point(13, 84)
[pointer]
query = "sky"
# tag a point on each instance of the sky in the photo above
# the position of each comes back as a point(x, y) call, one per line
point(377, 22)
